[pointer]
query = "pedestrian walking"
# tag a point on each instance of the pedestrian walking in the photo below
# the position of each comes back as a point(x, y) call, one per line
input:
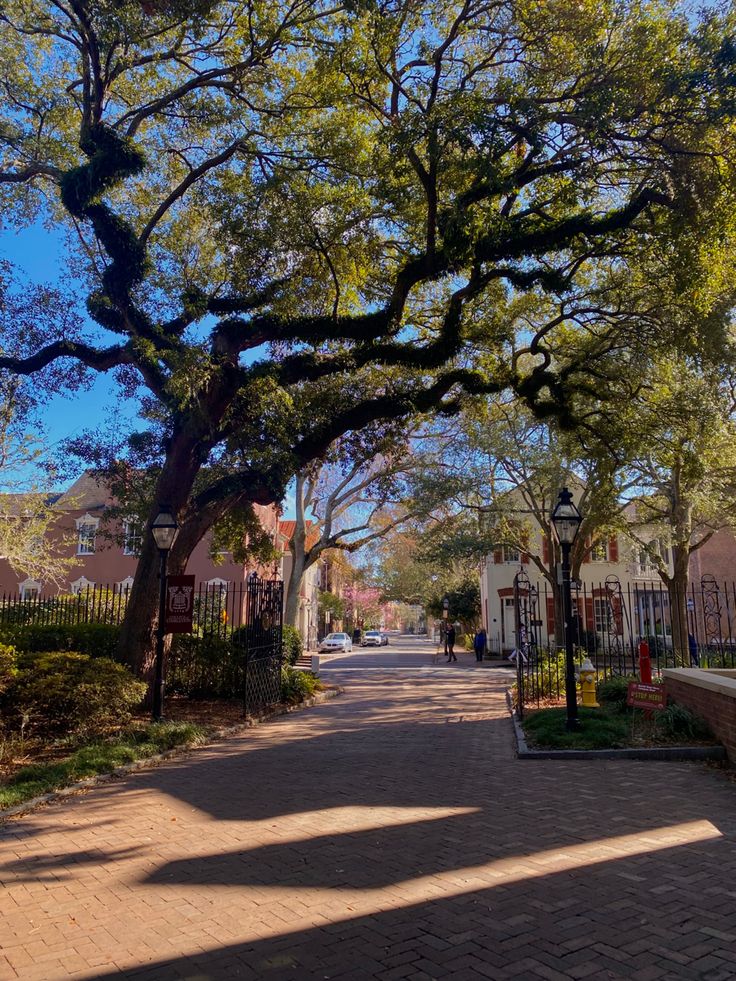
point(451, 656)
point(479, 644)
point(694, 653)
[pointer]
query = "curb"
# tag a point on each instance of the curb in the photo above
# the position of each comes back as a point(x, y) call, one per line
point(150, 761)
point(661, 753)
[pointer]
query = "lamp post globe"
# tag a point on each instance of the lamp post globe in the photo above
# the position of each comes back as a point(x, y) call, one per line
point(163, 529)
point(566, 521)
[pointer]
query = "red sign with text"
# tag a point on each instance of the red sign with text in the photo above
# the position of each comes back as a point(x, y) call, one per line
point(645, 696)
point(179, 604)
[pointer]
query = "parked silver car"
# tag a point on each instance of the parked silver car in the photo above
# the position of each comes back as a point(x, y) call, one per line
point(336, 642)
point(371, 638)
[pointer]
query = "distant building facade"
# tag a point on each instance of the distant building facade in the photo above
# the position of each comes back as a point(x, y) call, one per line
point(106, 554)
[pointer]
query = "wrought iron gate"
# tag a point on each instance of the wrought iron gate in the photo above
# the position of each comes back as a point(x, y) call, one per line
point(263, 642)
point(526, 597)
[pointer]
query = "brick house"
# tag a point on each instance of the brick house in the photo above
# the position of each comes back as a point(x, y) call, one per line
point(107, 555)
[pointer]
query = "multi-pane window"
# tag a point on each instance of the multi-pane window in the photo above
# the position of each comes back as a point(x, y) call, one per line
point(602, 615)
point(87, 532)
point(647, 563)
point(132, 538)
point(510, 554)
point(29, 589)
point(599, 552)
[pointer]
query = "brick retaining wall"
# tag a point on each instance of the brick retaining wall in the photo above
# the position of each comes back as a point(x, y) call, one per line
point(718, 710)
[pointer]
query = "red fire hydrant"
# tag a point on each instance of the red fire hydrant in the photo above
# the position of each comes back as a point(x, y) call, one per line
point(645, 663)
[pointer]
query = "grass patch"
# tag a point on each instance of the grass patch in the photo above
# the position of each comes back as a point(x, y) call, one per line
point(102, 756)
point(545, 729)
point(611, 728)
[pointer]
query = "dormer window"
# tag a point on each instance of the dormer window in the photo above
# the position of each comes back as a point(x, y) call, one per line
point(29, 589)
point(86, 534)
point(81, 585)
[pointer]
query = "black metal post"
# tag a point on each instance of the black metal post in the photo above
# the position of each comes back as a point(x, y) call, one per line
point(158, 680)
point(571, 699)
point(444, 624)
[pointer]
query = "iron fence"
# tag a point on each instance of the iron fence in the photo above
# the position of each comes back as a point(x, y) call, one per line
point(608, 623)
point(234, 650)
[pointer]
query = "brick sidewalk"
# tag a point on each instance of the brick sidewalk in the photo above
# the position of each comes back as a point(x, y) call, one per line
point(387, 834)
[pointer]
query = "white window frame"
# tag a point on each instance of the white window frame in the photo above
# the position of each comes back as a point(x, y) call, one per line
point(223, 584)
point(84, 536)
point(81, 585)
point(510, 555)
point(32, 587)
point(600, 552)
point(129, 536)
point(601, 614)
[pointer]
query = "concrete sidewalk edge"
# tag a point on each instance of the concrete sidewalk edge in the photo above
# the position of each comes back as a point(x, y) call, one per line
point(662, 753)
point(150, 761)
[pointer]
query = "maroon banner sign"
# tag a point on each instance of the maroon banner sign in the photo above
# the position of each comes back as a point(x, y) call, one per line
point(645, 696)
point(179, 604)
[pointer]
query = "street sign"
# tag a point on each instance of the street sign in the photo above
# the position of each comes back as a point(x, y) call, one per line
point(646, 696)
point(179, 604)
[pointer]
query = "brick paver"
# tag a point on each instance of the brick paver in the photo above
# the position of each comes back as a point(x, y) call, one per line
point(388, 834)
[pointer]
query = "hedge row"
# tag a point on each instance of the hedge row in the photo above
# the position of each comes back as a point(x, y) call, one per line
point(198, 667)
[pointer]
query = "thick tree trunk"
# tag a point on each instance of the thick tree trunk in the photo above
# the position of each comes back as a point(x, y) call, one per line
point(677, 592)
point(138, 630)
point(293, 590)
point(137, 633)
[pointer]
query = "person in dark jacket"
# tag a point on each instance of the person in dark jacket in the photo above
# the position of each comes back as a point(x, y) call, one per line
point(479, 644)
point(694, 653)
point(451, 656)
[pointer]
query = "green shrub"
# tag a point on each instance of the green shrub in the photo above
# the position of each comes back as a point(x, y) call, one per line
point(292, 645)
point(544, 677)
point(613, 691)
point(94, 639)
point(8, 667)
point(71, 694)
point(678, 721)
point(297, 685)
point(205, 667)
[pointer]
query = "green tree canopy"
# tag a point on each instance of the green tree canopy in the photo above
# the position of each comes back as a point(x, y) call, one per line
point(273, 204)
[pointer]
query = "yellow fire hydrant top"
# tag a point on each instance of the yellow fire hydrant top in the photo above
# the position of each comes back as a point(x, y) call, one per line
point(587, 683)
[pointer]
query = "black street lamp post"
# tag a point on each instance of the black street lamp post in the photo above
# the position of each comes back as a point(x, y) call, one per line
point(566, 521)
point(163, 530)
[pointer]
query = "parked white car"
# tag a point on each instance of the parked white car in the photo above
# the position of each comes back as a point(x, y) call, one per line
point(371, 638)
point(336, 642)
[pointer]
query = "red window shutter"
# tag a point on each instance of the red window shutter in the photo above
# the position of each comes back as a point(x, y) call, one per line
point(545, 550)
point(613, 549)
point(498, 556)
point(589, 614)
point(550, 614)
point(524, 558)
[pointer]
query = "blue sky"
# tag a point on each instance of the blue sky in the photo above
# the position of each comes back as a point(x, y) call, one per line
point(40, 255)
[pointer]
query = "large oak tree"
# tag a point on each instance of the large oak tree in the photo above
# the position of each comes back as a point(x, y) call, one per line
point(292, 219)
